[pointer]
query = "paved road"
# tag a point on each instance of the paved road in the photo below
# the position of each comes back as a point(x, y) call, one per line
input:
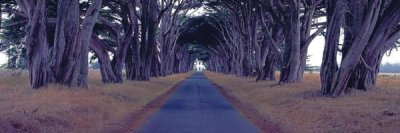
point(197, 107)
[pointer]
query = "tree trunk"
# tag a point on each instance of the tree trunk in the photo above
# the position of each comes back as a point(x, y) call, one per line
point(85, 35)
point(290, 70)
point(72, 42)
point(269, 67)
point(329, 64)
point(364, 78)
point(66, 41)
point(107, 73)
point(148, 38)
point(36, 42)
point(151, 40)
point(385, 34)
point(350, 61)
point(133, 63)
point(130, 22)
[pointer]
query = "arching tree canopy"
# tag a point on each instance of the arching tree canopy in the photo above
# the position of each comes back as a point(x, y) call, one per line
point(53, 38)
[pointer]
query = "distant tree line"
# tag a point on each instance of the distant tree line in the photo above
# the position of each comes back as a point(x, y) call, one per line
point(390, 68)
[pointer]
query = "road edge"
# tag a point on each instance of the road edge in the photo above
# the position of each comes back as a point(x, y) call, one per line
point(135, 120)
point(254, 116)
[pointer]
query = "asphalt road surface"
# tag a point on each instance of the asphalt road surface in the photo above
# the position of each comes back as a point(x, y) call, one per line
point(197, 107)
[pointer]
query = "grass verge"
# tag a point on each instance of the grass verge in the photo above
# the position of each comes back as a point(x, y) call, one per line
point(59, 109)
point(300, 108)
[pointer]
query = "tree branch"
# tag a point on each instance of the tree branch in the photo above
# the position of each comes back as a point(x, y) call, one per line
point(15, 23)
point(316, 33)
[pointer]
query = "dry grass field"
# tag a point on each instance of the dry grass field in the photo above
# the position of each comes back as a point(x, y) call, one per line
point(59, 109)
point(300, 108)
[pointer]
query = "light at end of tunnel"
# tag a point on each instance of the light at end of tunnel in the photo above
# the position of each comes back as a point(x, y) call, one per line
point(199, 65)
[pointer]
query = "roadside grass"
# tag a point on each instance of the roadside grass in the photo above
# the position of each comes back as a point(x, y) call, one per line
point(60, 109)
point(299, 107)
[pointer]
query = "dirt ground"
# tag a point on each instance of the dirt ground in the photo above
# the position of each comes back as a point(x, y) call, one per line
point(300, 108)
point(59, 109)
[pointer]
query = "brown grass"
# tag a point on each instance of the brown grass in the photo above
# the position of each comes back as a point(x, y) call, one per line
point(59, 109)
point(300, 108)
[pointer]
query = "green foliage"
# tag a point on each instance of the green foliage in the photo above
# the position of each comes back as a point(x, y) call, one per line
point(12, 42)
point(199, 52)
point(17, 58)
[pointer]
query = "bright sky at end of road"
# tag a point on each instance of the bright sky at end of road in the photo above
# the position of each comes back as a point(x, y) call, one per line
point(316, 50)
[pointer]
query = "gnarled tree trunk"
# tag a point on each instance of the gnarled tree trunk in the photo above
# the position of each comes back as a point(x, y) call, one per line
point(329, 64)
point(36, 42)
point(364, 48)
point(290, 70)
point(72, 43)
point(350, 61)
point(106, 70)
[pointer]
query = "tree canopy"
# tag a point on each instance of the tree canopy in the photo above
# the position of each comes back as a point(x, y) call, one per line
point(150, 38)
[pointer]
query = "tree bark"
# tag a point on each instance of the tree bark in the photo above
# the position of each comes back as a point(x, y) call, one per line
point(129, 25)
point(36, 42)
point(269, 67)
point(107, 73)
point(329, 64)
point(132, 63)
point(349, 63)
point(382, 39)
point(148, 37)
point(85, 35)
point(66, 40)
point(72, 43)
point(290, 70)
